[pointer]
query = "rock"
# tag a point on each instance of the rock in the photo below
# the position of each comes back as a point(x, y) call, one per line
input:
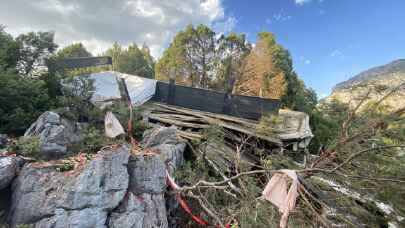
point(57, 135)
point(144, 205)
point(47, 198)
point(147, 175)
point(165, 141)
point(3, 140)
point(8, 170)
point(144, 210)
point(115, 189)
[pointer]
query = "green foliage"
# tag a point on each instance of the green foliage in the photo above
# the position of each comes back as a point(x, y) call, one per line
point(268, 125)
point(231, 51)
point(66, 166)
point(22, 101)
point(326, 121)
point(121, 111)
point(75, 101)
point(190, 57)
point(214, 133)
point(36, 47)
point(28, 146)
point(132, 60)
point(73, 51)
point(93, 140)
point(9, 51)
point(24, 226)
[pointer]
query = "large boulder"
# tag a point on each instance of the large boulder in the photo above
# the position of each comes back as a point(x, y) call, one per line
point(114, 189)
point(8, 170)
point(47, 198)
point(145, 204)
point(57, 135)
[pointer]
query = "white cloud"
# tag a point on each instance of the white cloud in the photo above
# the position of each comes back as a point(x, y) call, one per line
point(278, 17)
point(301, 2)
point(98, 24)
point(336, 53)
point(226, 25)
point(305, 60)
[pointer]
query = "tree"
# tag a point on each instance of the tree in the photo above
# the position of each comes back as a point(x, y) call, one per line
point(36, 47)
point(22, 101)
point(191, 56)
point(174, 59)
point(149, 59)
point(132, 60)
point(231, 51)
point(73, 51)
point(9, 50)
point(261, 76)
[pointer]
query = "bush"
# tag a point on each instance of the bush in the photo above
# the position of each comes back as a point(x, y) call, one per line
point(77, 92)
point(93, 140)
point(268, 125)
point(22, 101)
point(28, 146)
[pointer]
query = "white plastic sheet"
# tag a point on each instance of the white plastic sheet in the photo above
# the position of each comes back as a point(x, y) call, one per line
point(140, 89)
point(113, 127)
point(106, 87)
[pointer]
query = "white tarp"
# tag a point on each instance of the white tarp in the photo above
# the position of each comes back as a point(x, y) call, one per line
point(106, 87)
point(140, 89)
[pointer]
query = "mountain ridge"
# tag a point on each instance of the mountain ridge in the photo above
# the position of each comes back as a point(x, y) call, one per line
point(374, 83)
point(375, 73)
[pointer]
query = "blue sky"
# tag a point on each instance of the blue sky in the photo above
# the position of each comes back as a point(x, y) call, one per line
point(329, 40)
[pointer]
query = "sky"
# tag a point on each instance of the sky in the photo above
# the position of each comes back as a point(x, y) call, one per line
point(329, 40)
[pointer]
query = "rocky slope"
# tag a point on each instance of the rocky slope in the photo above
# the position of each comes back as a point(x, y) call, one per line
point(113, 188)
point(378, 81)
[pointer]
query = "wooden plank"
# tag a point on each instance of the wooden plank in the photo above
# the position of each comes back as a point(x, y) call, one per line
point(211, 120)
point(178, 117)
point(177, 123)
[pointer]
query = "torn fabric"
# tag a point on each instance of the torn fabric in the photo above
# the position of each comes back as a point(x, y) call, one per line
point(113, 127)
point(276, 192)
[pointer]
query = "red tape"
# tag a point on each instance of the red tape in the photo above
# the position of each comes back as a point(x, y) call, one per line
point(184, 204)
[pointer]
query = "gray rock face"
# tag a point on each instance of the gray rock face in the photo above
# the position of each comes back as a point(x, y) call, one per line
point(141, 211)
point(147, 175)
point(56, 134)
point(169, 146)
point(47, 198)
point(115, 189)
point(144, 205)
point(8, 170)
